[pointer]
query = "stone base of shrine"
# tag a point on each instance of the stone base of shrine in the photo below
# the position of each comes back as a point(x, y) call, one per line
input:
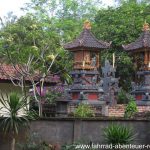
point(143, 103)
point(142, 96)
point(141, 92)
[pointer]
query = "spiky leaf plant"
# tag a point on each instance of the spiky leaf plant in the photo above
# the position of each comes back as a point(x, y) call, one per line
point(118, 134)
point(13, 115)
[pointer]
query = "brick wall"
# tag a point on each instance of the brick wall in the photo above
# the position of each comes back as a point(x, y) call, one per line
point(112, 111)
point(118, 110)
point(96, 109)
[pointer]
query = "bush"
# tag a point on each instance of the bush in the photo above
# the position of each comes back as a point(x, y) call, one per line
point(34, 142)
point(122, 97)
point(69, 147)
point(130, 109)
point(118, 134)
point(76, 146)
point(84, 111)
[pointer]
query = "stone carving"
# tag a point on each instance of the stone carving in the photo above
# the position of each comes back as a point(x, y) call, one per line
point(87, 58)
point(94, 80)
point(93, 62)
point(134, 86)
point(82, 96)
point(109, 83)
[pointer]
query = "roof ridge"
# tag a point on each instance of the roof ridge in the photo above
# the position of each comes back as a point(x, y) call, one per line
point(139, 40)
point(86, 39)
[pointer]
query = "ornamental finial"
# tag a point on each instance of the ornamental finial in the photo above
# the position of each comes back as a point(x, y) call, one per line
point(87, 25)
point(146, 26)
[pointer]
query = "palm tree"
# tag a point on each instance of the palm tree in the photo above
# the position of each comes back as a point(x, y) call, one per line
point(14, 115)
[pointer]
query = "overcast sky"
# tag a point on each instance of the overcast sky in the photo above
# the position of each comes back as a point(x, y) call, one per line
point(15, 5)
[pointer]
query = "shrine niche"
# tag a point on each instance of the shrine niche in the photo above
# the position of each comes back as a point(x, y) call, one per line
point(140, 50)
point(86, 79)
point(86, 60)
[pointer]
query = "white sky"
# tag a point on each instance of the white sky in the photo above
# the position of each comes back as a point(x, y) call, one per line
point(15, 5)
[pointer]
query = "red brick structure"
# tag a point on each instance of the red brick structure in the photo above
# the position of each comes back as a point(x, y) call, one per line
point(118, 110)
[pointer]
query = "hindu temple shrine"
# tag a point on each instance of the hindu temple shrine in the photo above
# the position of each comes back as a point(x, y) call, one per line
point(140, 50)
point(86, 62)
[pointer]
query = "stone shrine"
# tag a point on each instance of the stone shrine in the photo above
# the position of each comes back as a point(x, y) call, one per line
point(86, 78)
point(140, 49)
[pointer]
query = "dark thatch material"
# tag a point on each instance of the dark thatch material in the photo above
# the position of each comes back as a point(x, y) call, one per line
point(86, 40)
point(142, 42)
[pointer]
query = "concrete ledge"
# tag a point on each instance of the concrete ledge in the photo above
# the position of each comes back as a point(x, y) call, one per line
point(92, 119)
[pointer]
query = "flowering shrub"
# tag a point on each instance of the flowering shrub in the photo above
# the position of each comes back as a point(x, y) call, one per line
point(49, 94)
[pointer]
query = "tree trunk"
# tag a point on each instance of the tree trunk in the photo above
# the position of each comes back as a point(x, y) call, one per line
point(13, 143)
point(40, 108)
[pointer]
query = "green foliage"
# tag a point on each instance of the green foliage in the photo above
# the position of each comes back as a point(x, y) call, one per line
point(74, 145)
point(34, 142)
point(49, 24)
point(83, 111)
point(53, 96)
point(131, 108)
point(28, 41)
point(14, 113)
point(122, 97)
point(121, 25)
point(118, 134)
point(26, 37)
point(69, 147)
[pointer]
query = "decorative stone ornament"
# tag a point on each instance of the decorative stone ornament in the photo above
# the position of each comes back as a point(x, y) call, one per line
point(87, 25)
point(109, 83)
point(146, 27)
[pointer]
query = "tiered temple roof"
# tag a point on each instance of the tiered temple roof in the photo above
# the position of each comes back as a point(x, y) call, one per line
point(86, 40)
point(142, 42)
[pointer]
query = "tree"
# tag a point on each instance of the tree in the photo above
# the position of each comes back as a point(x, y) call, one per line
point(13, 119)
point(30, 50)
point(32, 38)
point(66, 16)
point(122, 25)
point(76, 9)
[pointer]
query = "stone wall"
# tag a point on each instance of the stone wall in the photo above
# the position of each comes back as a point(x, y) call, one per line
point(64, 131)
point(59, 131)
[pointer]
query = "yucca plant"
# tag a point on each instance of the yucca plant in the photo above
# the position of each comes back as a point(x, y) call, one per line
point(118, 134)
point(13, 115)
